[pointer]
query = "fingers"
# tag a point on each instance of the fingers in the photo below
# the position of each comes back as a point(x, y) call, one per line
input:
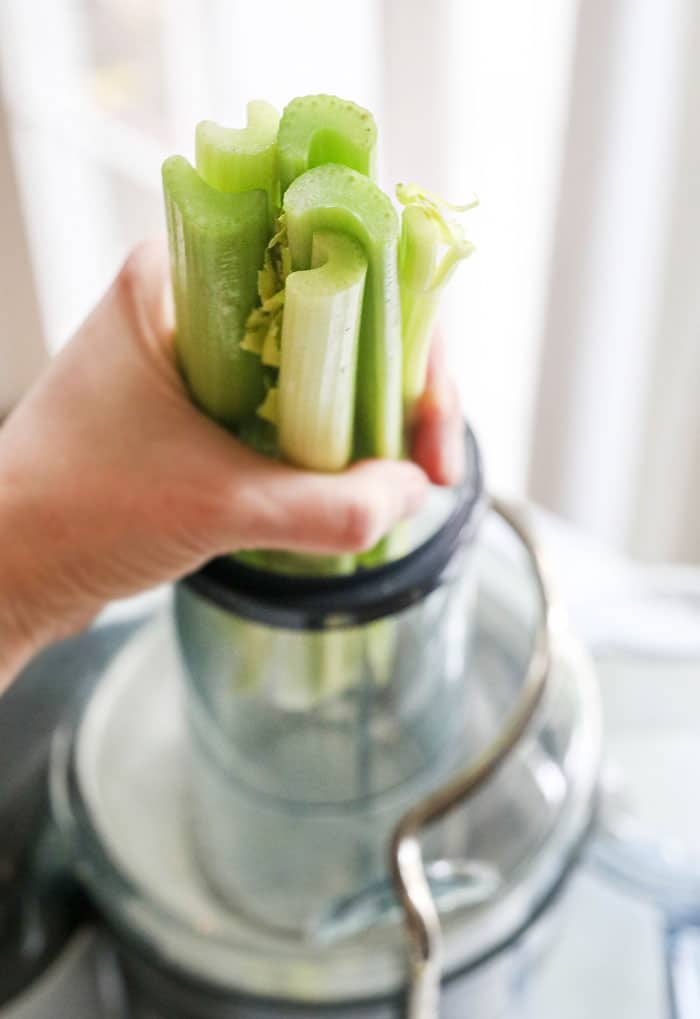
point(438, 438)
point(276, 506)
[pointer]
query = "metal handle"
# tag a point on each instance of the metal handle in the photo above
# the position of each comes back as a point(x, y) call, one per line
point(421, 919)
point(682, 957)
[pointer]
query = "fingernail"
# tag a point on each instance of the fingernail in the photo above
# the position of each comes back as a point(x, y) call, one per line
point(438, 397)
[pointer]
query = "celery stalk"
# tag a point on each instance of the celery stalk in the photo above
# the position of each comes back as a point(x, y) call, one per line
point(336, 198)
point(242, 159)
point(320, 331)
point(324, 129)
point(312, 404)
point(217, 242)
point(431, 247)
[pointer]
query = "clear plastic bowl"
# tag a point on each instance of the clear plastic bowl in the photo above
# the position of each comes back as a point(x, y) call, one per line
point(319, 709)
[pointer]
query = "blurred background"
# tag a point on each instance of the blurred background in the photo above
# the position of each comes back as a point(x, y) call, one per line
point(574, 331)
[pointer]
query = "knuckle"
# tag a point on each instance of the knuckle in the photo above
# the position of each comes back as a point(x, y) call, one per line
point(243, 515)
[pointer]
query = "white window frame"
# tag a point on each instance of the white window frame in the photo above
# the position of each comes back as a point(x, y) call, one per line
point(616, 443)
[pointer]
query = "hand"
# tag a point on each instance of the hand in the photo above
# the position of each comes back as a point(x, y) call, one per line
point(438, 433)
point(112, 482)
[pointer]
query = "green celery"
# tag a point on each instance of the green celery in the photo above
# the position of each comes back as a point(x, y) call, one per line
point(320, 330)
point(325, 129)
point(338, 199)
point(242, 159)
point(300, 564)
point(259, 435)
point(311, 345)
point(431, 247)
point(217, 242)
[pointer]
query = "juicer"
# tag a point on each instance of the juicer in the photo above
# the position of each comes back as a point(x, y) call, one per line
point(355, 796)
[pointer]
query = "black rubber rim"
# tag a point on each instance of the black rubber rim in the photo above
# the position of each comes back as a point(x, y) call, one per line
point(317, 603)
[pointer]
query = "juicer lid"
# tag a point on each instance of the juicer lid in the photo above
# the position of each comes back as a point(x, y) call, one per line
point(118, 797)
point(315, 603)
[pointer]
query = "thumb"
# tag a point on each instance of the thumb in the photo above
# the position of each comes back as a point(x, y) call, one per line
point(278, 506)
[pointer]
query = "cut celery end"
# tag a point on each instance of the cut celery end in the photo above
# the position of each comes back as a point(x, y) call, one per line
point(338, 199)
point(217, 242)
point(304, 564)
point(324, 129)
point(242, 159)
point(320, 330)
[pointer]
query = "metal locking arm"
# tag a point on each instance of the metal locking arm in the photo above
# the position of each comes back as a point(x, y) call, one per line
point(421, 918)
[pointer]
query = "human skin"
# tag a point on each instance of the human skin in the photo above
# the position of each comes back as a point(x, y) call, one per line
point(111, 481)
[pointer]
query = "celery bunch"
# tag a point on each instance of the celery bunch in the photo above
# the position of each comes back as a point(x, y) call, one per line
point(301, 299)
point(304, 304)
